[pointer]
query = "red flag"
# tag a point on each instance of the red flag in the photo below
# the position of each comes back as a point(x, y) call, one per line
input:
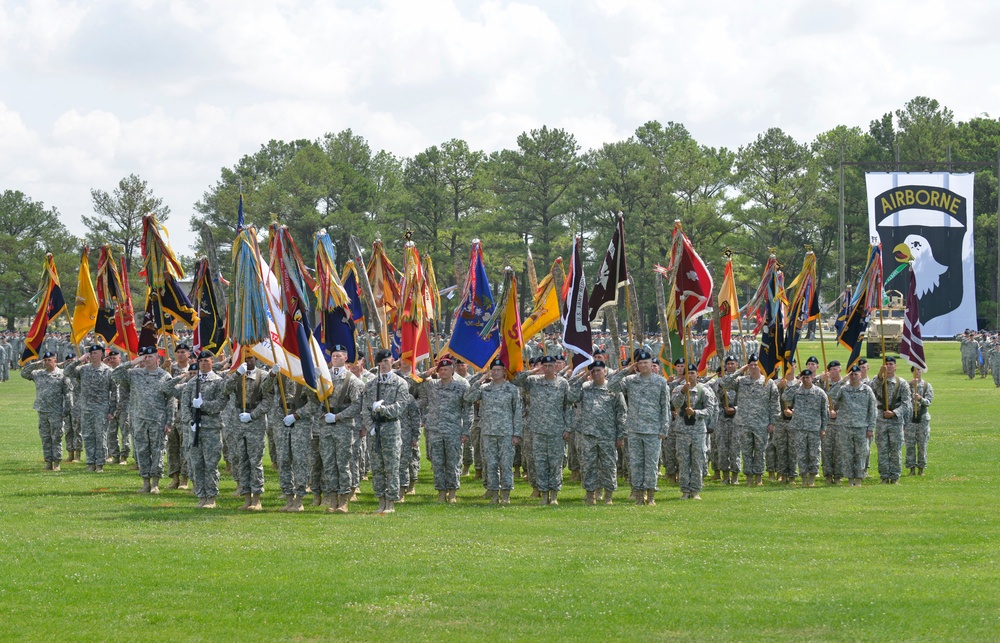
point(912, 346)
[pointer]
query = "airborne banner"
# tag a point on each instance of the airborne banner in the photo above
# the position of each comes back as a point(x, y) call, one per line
point(926, 218)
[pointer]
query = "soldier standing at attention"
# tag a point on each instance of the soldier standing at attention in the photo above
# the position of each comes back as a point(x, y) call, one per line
point(448, 424)
point(601, 427)
point(384, 402)
point(549, 424)
point(782, 438)
point(52, 401)
point(96, 393)
point(755, 416)
point(359, 447)
point(727, 435)
point(917, 430)
point(202, 403)
point(833, 468)
point(696, 405)
point(151, 392)
point(501, 427)
point(177, 456)
point(244, 388)
point(647, 417)
point(118, 426)
point(810, 410)
point(291, 437)
point(856, 411)
point(893, 396)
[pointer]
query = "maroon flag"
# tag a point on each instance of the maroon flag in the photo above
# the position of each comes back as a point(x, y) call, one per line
point(577, 337)
point(912, 346)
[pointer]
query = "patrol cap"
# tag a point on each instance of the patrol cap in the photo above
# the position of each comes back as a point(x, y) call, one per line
point(833, 363)
point(182, 347)
point(890, 360)
point(497, 362)
point(806, 372)
point(641, 354)
point(338, 348)
point(546, 359)
point(95, 347)
point(206, 355)
point(854, 369)
point(48, 354)
point(730, 358)
point(382, 354)
point(444, 361)
point(147, 350)
point(596, 364)
point(813, 359)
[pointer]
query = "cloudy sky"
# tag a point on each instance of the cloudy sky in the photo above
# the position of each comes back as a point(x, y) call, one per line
point(174, 90)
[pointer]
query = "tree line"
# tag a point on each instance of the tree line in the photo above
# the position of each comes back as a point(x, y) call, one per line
point(774, 192)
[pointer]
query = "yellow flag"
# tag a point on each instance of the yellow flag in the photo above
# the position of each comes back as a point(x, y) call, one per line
point(546, 309)
point(511, 342)
point(85, 310)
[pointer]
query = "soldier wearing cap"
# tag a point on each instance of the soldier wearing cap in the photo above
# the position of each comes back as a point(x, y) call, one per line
point(52, 401)
point(917, 429)
point(245, 390)
point(755, 416)
point(74, 439)
point(833, 468)
point(360, 464)
point(668, 455)
point(202, 403)
point(501, 426)
point(856, 410)
point(384, 401)
point(696, 405)
point(448, 424)
point(292, 437)
point(177, 456)
point(548, 420)
point(600, 425)
point(810, 409)
point(726, 438)
point(893, 396)
point(118, 450)
point(93, 385)
point(781, 446)
point(648, 412)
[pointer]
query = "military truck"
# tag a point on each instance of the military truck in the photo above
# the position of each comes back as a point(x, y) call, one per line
point(893, 316)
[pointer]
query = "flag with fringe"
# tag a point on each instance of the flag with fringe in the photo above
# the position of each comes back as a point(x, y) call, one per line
point(912, 347)
point(473, 314)
point(85, 308)
point(336, 320)
point(804, 307)
point(766, 307)
point(867, 297)
point(51, 304)
point(210, 333)
point(384, 280)
point(728, 305)
point(413, 313)
point(577, 336)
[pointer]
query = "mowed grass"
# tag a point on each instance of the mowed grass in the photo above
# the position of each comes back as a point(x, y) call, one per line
point(83, 557)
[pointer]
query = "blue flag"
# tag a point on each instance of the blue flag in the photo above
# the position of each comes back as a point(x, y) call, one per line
point(334, 328)
point(477, 308)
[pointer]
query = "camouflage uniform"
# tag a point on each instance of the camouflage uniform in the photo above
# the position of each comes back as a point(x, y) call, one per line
point(74, 440)
point(207, 452)
point(889, 432)
point(691, 434)
point(360, 465)
point(448, 420)
point(384, 428)
point(52, 403)
point(247, 438)
point(335, 441)
point(726, 438)
point(177, 446)
point(6, 353)
point(830, 442)
point(152, 409)
point(291, 442)
point(970, 355)
point(856, 411)
point(758, 408)
point(96, 399)
point(409, 434)
point(500, 421)
point(994, 359)
point(647, 415)
point(548, 420)
point(917, 430)
point(600, 424)
point(783, 439)
point(120, 425)
point(810, 411)
point(668, 448)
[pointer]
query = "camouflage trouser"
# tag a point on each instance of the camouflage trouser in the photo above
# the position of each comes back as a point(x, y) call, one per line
point(119, 425)
point(889, 441)
point(549, 460)
point(597, 463)
point(74, 441)
point(969, 365)
point(292, 444)
point(573, 454)
point(830, 451)
point(770, 453)
point(409, 463)
point(94, 427)
point(668, 454)
point(315, 464)
point(498, 454)
point(476, 440)
point(336, 450)
point(807, 451)
point(690, 460)
point(784, 448)
point(177, 461)
point(205, 457)
point(385, 463)
point(468, 458)
point(272, 449)
point(445, 452)
point(644, 456)
point(995, 368)
point(712, 444)
point(359, 458)
point(623, 468)
point(148, 436)
point(854, 451)
point(754, 443)
point(916, 435)
point(50, 429)
point(726, 440)
point(528, 458)
point(247, 448)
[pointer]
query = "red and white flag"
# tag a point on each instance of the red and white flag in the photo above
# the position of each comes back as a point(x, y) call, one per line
point(912, 346)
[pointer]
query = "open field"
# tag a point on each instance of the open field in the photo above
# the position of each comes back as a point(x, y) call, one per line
point(84, 557)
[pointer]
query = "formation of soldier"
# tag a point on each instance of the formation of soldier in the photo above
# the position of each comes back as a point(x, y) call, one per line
point(638, 422)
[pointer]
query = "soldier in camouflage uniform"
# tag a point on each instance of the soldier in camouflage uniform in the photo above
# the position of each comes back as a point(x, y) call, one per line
point(783, 437)
point(448, 425)
point(647, 416)
point(856, 410)
point(119, 426)
point(359, 447)
point(756, 414)
point(383, 404)
point(501, 426)
point(810, 409)
point(151, 391)
point(97, 401)
point(917, 430)
point(245, 389)
point(600, 425)
point(6, 354)
point(292, 437)
point(52, 401)
point(994, 358)
point(970, 353)
point(202, 403)
point(726, 438)
point(833, 468)
point(409, 440)
point(668, 450)
point(895, 404)
point(695, 404)
point(74, 441)
point(548, 423)
point(177, 448)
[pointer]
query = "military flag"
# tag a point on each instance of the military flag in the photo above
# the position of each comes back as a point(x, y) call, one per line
point(414, 310)
point(51, 304)
point(545, 309)
point(509, 322)
point(336, 320)
point(165, 301)
point(85, 309)
point(912, 346)
point(473, 314)
point(804, 307)
point(689, 282)
point(765, 305)
point(126, 312)
point(384, 280)
point(867, 297)
point(577, 337)
point(727, 305)
point(612, 274)
point(210, 334)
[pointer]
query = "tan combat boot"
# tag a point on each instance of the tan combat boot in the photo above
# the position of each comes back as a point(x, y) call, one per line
point(145, 486)
point(553, 497)
point(184, 483)
point(535, 493)
point(544, 495)
point(175, 481)
point(589, 498)
point(505, 496)
point(402, 496)
point(651, 497)
point(920, 471)
point(517, 472)
point(55, 465)
point(381, 505)
point(341, 507)
point(154, 486)
point(718, 475)
point(451, 496)
point(123, 460)
point(209, 503)
point(760, 480)
point(317, 499)
point(296, 505)
point(201, 502)
point(696, 496)
point(913, 471)
point(607, 497)
point(389, 507)
point(288, 503)
point(255, 502)
point(411, 490)
point(465, 470)
point(48, 466)
point(489, 495)
point(479, 474)
point(640, 497)
point(246, 502)
point(442, 496)
point(354, 495)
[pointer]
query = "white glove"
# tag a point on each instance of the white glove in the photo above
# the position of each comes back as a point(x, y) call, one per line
point(194, 426)
point(289, 420)
point(275, 370)
point(242, 370)
point(197, 402)
point(244, 417)
point(376, 406)
point(330, 418)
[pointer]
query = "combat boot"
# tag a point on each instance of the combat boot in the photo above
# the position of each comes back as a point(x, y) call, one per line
point(535, 493)
point(389, 507)
point(760, 480)
point(381, 505)
point(145, 486)
point(589, 498)
point(201, 502)
point(544, 495)
point(718, 476)
point(913, 471)
point(402, 496)
point(574, 476)
point(479, 474)
point(255, 502)
point(288, 503)
point(341, 504)
point(91, 467)
point(770, 476)
point(354, 495)
point(465, 470)
point(296, 505)
point(751, 481)
point(411, 489)
point(246, 502)
point(154, 486)
point(517, 472)
point(696, 496)
point(920, 472)
point(607, 497)
point(640, 497)
point(442, 496)
point(685, 496)
point(451, 496)
point(489, 495)
point(184, 483)
point(98, 468)
point(55, 465)
point(634, 495)
point(175, 481)
point(553, 497)
point(505, 497)
point(123, 460)
point(48, 466)
point(317, 499)
point(651, 497)
point(209, 503)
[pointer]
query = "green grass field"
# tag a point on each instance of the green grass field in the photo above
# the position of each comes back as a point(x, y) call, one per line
point(84, 557)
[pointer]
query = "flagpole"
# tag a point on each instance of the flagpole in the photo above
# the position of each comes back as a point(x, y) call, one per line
point(885, 381)
point(684, 343)
point(628, 306)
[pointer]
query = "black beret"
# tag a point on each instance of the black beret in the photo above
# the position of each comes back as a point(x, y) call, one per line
point(48, 354)
point(692, 368)
point(147, 350)
point(833, 363)
point(114, 351)
point(890, 360)
point(678, 361)
point(813, 358)
point(752, 358)
point(730, 358)
point(855, 369)
point(596, 364)
point(192, 366)
point(547, 359)
point(95, 347)
point(805, 372)
point(382, 354)
point(641, 354)
point(182, 347)
point(862, 361)
point(338, 348)
point(206, 355)
point(497, 362)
